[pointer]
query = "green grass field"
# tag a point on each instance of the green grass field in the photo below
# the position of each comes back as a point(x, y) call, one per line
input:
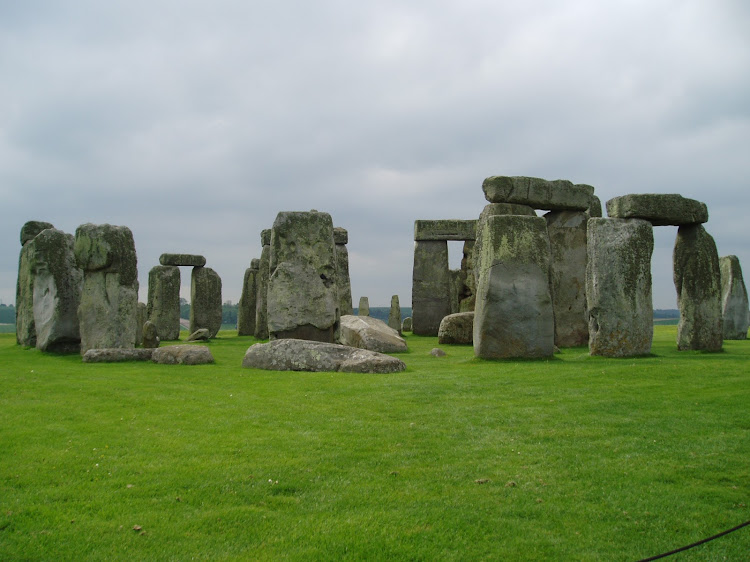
point(575, 458)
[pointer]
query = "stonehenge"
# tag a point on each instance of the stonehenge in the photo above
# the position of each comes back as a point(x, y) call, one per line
point(246, 309)
point(734, 302)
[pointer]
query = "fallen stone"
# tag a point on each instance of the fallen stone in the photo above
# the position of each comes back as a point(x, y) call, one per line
point(305, 355)
point(734, 302)
point(457, 329)
point(116, 355)
point(556, 195)
point(190, 260)
point(697, 278)
point(182, 355)
point(201, 334)
point(445, 229)
point(365, 332)
point(659, 209)
point(618, 287)
point(150, 335)
point(437, 352)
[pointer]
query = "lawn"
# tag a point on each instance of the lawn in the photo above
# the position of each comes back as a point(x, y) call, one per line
point(575, 458)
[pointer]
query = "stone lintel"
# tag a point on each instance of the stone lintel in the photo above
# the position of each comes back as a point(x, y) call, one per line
point(445, 229)
point(554, 195)
point(182, 259)
point(660, 209)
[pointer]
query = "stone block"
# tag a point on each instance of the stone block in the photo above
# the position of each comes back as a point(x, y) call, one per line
point(445, 229)
point(556, 195)
point(431, 286)
point(190, 260)
point(163, 308)
point(659, 209)
point(205, 300)
point(734, 302)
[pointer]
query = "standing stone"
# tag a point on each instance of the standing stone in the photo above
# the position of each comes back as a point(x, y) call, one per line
point(490, 211)
point(364, 307)
point(734, 303)
point(58, 283)
point(514, 317)
point(164, 300)
point(150, 335)
point(248, 300)
point(406, 325)
point(109, 302)
point(303, 301)
point(618, 287)
point(394, 315)
point(25, 328)
point(205, 301)
point(343, 281)
point(567, 236)
point(431, 286)
point(467, 293)
point(261, 305)
point(697, 278)
point(141, 317)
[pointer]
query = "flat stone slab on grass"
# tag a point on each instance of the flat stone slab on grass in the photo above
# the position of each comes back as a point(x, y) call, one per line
point(182, 259)
point(660, 209)
point(313, 356)
point(366, 332)
point(555, 195)
point(182, 355)
point(116, 355)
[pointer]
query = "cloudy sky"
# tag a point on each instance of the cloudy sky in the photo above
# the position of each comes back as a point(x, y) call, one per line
point(195, 123)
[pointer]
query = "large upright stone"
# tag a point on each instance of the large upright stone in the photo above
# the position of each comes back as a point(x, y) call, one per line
point(58, 283)
point(205, 300)
point(492, 210)
point(248, 300)
point(567, 236)
point(261, 305)
point(25, 327)
point(303, 301)
point(108, 309)
point(556, 195)
point(734, 303)
point(513, 316)
point(697, 278)
point(394, 315)
point(659, 209)
point(364, 307)
point(163, 308)
point(431, 286)
point(618, 287)
point(343, 280)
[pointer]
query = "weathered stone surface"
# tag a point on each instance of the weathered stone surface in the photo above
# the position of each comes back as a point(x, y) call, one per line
point(697, 278)
point(468, 288)
point(340, 235)
point(431, 287)
point(437, 352)
point(58, 283)
point(618, 287)
point(301, 355)
point(394, 315)
point(109, 249)
point(116, 355)
point(492, 210)
point(734, 302)
point(567, 236)
point(190, 260)
point(25, 328)
point(202, 334)
point(109, 300)
point(164, 300)
point(365, 332)
point(261, 306)
point(182, 355)
point(31, 229)
point(514, 317)
point(555, 195)
point(150, 335)
point(248, 301)
point(364, 307)
point(265, 237)
point(659, 209)
point(595, 209)
point(343, 281)
point(141, 315)
point(457, 329)
point(205, 300)
point(445, 229)
point(303, 299)
point(406, 325)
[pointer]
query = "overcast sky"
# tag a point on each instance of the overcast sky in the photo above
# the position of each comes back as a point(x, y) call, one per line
point(195, 123)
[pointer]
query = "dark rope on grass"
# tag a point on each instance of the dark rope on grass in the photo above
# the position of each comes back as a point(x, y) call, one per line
point(675, 551)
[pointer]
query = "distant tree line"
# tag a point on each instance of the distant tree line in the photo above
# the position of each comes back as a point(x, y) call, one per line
point(228, 312)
